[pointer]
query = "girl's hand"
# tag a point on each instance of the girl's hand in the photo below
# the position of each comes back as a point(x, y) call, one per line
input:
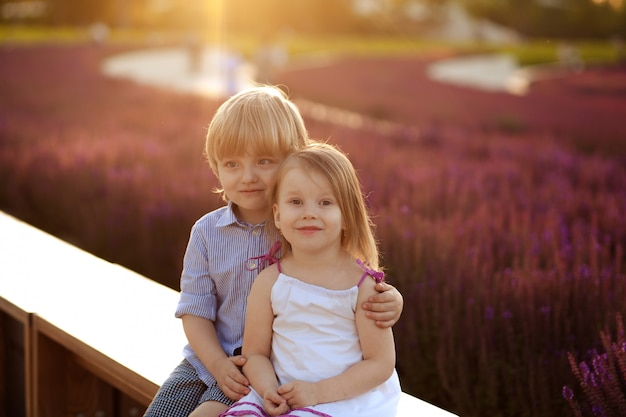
point(274, 404)
point(386, 306)
point(230, 379)
point(299, 394)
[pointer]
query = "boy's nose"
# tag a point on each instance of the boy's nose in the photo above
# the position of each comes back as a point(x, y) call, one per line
point(250, 175)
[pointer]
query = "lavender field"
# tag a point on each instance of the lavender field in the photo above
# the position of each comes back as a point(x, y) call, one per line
point(502, 220)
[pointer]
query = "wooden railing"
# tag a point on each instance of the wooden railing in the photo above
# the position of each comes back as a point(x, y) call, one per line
point(80, 336)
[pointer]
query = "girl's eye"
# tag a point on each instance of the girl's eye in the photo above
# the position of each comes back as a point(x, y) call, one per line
point(265, 161)
point(230, 164)
point(326, 203)
point(295, 201)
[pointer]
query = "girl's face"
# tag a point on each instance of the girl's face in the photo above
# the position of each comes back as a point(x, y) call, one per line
point(307, 211)
point(247, 181)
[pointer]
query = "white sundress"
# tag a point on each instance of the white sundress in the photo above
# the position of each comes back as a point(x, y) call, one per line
point(315, 338)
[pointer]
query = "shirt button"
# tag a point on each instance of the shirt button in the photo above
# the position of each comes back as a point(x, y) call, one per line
point(251, 265)
point(256, 232)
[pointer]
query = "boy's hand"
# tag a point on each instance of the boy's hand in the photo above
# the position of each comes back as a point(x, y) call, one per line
point(299, 394)
point(385, 307)
point(229, 377)
point(274, 404)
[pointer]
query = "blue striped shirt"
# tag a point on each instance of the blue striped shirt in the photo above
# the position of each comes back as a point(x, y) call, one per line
point(216, 279)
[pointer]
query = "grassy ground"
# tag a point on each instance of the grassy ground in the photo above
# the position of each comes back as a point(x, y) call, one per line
point(530, 52)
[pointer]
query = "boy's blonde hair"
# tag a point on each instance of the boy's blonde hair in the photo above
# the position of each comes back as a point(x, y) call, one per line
point(328, 161)
point(260, 120)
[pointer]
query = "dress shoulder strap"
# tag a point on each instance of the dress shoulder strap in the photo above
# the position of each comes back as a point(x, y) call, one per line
point(378, 276)
point(265, 260)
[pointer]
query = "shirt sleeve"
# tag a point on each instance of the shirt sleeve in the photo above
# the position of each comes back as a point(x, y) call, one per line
point(197, 289)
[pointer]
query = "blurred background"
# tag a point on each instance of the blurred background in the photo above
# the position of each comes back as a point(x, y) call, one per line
point(573, 18)
point(489, 136)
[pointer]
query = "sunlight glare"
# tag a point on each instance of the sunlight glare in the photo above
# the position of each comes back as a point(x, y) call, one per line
point(615, 4)
point(216, 13)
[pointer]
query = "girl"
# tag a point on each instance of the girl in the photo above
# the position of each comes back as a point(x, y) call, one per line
point(310, 349)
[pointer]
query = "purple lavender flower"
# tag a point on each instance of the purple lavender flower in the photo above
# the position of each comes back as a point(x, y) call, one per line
point(598, 411)
point(568, 393)
point(584, 271)
point(586, 373)
point(599, 367)
point(489, 313)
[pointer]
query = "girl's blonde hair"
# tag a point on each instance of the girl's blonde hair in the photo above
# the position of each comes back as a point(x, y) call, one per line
point(330, 162)
point(260, 120)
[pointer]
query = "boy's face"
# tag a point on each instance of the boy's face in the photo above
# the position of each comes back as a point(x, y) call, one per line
point(247, 181)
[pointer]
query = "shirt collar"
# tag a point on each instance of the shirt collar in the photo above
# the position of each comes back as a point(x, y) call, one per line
point(229, 218)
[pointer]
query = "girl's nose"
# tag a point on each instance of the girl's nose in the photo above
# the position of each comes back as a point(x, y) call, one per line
point(309, 212)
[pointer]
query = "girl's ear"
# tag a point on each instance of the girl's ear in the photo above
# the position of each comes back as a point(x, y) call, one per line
point(276, 216)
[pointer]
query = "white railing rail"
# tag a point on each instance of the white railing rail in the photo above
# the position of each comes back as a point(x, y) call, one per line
point(83, 336)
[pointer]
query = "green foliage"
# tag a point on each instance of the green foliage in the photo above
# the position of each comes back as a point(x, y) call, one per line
point(42, 34)
point(509, 123)
point(566, 19)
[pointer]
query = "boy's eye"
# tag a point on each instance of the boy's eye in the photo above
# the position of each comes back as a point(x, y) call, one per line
point(295, 201)
point(265, 161)
point(230, 164)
